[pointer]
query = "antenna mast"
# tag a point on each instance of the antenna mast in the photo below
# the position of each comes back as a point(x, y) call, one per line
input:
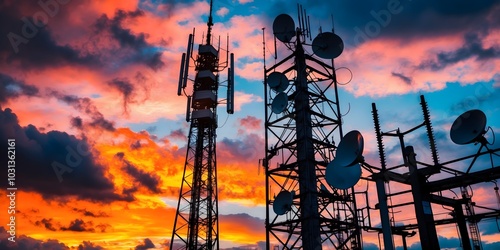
point(306, 209)
point(210, 24)
point(196, 224)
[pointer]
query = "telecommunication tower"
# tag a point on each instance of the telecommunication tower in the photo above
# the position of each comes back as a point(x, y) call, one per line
point(196, 224)
point(308, 204)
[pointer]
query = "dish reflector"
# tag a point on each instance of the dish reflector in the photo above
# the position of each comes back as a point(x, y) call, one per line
point(279, 103)
point(350, 149)
point(283, 202)
point(284, 28)
point(328, 45)
point(342, 177)
point(468, 127)
point(277, 81)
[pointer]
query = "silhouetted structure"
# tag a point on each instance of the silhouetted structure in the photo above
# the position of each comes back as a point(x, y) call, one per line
point(196, 224)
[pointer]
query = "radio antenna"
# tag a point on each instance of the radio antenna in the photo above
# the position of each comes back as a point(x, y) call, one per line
point(210, 24)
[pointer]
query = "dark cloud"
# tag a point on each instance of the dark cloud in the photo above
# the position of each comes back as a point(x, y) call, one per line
point(11, 88)
point(130, 89)
point(402, 19)
point(31, 46)
point(178, 134)
point(86, 106)
point(252, 224)
point(87, 245)
point(55, 164)
point(126, 89)
point(103, 227)
point(85, 212)
point(123, 36)
point(406, 79)
point(76, 122)
point(149, 180)
point(147, 244)
point(472, 48)
point(246, 148)
point(79, 225)
point(151, 129)
point(24, 242)
point(36, 47)
point(134, 46)
point(120, 155)
point(135, 145)
point(47, 223)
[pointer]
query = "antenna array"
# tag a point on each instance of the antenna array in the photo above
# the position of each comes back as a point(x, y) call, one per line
point(301, 122)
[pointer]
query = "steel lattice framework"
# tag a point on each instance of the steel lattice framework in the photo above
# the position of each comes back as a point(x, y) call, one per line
point(196, 224)
point(299, 145)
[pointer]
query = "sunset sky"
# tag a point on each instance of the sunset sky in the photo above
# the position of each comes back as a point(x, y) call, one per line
point(92, 85)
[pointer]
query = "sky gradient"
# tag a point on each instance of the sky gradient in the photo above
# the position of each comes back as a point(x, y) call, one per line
point(91, 85)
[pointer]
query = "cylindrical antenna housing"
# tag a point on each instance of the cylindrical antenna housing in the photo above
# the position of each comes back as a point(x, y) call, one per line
point(181, 75)
point(188, 58)
point(230, 86)
point(188, 109)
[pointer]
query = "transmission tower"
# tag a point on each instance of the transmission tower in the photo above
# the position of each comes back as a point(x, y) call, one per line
point(303, 209)
point(196, 224)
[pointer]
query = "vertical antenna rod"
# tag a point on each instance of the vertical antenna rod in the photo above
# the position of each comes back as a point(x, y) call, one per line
point(210, 24)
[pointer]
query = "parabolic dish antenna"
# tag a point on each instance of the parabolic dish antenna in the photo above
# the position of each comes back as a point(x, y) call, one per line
point(279, 103)
point(277, 81)
point(468, 127)
point(283, 203)
point(284, 28)
point(327, 45)
point(342, 177)
point(350, 149)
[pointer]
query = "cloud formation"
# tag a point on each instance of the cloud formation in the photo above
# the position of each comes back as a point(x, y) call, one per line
point(55, 164)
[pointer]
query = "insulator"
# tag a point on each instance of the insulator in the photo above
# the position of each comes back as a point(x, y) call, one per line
point(379, 136)
point(430, 133)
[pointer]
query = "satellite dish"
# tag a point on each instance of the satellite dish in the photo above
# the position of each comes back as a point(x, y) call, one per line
point(284, 28)
point(327, 45)
point(283, 202)
point(350, 149)
point(468, 127)
point(279, 103)
point(342, 177)
point(277, 81)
